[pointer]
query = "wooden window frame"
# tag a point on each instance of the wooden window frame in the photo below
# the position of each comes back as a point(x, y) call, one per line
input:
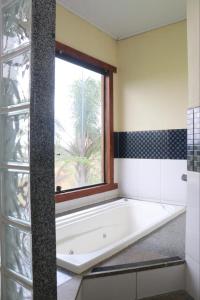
point(107, 70)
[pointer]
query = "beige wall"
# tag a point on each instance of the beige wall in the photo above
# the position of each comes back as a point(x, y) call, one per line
point(152, 68)
point(153, 79)
point(193, 9)
point(79, 34)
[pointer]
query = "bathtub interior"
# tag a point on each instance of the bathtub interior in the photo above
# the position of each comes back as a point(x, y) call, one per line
point(108, 225)
point(89, 236)
point(73, 236)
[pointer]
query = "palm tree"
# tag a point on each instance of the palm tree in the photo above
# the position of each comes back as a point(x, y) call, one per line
point(86, 142)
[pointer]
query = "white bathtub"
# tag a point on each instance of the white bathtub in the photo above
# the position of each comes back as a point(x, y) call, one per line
point(89, 236)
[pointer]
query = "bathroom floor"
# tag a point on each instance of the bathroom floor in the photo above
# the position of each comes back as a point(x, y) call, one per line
point(172, 296)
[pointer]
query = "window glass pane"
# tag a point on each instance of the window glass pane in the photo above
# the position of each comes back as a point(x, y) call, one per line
point(79, 126)
point(15, 80)
point(16, 24)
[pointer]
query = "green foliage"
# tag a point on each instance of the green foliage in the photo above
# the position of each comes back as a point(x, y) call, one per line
point(85, 148)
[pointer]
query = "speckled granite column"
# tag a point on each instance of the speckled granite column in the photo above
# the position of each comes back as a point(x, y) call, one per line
point(42, 149)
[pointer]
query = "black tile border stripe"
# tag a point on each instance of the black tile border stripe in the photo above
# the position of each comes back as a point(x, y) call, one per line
point(155, 144)
point(134, 267)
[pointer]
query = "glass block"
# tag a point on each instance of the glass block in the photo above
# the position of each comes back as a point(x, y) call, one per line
point(15, 195)
point(15, 291)
point(16, 25)
point(15, 81)
point(15, 141)
point(17, 247)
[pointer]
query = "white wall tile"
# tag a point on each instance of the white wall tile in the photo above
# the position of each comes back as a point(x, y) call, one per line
point(153, 180)
point(193, 235)
point(150, 179)
point(193, 278)
point(193, 217)
point(173, 189)
point(145, 179)
point(129, 177)
point(115, 287)
point(160, 281)
point(139, 178)
point(116, 160)
point(193, 214)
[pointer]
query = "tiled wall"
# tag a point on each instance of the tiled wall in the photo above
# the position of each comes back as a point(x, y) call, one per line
point(151, 163)
point(193, 204)
point(193, 142)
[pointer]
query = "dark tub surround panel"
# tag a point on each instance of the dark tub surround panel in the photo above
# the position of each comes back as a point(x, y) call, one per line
point(156, 144)
point(193, 139)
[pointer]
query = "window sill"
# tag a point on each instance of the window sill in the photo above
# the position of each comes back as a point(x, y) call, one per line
point(85, 192)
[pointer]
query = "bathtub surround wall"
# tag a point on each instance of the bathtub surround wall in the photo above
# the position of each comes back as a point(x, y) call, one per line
point(151, 144)
point(151, 165)
point(28, 246)
point(152, 103)
point(193, 201)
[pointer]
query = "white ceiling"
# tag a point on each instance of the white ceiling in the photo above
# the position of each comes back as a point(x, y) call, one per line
point(124, 18)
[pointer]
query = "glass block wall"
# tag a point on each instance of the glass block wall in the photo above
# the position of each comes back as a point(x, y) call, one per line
point(16, 238)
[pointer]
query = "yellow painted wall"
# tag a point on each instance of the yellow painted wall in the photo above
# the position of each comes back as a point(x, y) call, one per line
point(152, 71)
point(79, 34)
point(193, 15)
point(153, 79)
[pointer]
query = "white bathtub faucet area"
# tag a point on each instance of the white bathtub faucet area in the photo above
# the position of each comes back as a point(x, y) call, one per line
point(89, 236)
